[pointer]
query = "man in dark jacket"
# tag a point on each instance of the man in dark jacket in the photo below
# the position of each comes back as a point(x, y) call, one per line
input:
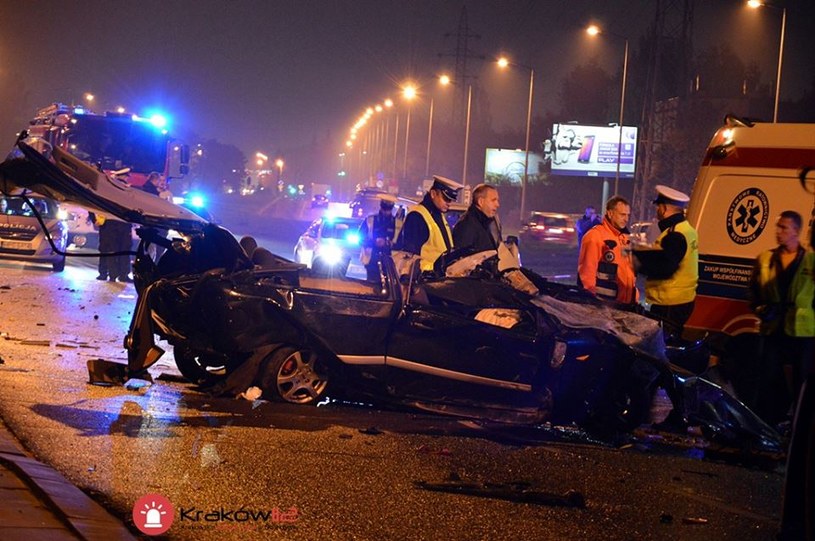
point(586, 222)
point(479, 228)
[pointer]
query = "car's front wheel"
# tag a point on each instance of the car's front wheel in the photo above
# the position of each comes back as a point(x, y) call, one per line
point(294, 375)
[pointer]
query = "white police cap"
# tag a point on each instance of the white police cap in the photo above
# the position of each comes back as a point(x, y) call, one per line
point(386, 200)
point(449, 188)
point(669, 196)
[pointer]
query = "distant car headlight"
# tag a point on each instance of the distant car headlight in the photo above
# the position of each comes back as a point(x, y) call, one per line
point(331, 254)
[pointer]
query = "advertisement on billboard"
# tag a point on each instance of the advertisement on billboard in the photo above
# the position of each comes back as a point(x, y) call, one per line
point(592, 150)
point(505, 166)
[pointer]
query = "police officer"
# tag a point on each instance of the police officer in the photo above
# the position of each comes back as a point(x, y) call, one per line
point(671, 267)
point(605, 267)
point(426, 231)
point(378, 233)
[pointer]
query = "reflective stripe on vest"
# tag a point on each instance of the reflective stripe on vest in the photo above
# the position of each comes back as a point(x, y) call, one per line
point(606, 286)
point(681, 287)
point(435, 246)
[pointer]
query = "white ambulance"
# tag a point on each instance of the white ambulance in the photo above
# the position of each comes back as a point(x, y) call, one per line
point(749, 175)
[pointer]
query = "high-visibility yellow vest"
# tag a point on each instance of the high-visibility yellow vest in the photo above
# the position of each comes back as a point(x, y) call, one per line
point(799, 318)
point(435, 246)
point(681, 287)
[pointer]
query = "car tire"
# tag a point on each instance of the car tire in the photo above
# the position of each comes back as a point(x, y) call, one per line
point(624, 408)
point(196, 368)
point(59, 265)
point(294, 375)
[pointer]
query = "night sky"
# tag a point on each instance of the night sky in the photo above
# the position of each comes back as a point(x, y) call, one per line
point(276, 74)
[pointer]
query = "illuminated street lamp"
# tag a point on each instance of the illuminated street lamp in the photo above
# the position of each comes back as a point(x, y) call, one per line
point(261, 158)
point(593, 30)
point(503, 63)
point(409, 93)
point(279, 164)
point(89, 97)
point(755, 4)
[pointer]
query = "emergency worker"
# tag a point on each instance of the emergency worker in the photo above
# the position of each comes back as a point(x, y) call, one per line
point(479, 227)
point(426, 232)
point(671, 265)
point(781, 294)
point(605, 267)
point(378, 233)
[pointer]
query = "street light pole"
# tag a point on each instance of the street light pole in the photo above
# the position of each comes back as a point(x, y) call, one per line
point(429, 137)
point(503, 63)
point(593, 30)
point(395, 146)
point(780, 58)
point(407, 138)
point(620, 125)
point(526, 151)
point(467, 133)
point(755, 4)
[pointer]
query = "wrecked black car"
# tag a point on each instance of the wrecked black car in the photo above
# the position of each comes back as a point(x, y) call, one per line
point(508, 347)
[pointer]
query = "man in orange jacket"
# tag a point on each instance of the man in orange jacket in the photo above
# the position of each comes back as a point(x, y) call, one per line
point(605, 267)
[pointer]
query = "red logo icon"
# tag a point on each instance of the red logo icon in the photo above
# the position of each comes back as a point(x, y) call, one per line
point(153, 514)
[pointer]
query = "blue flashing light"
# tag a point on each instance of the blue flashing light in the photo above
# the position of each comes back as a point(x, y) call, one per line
point(292, 190)
point(352, 238)
point(79, 110)
point(159, 121)
point(197, 200)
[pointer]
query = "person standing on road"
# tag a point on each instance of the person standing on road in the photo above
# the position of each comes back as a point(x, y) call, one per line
point(479, 227)
point(605, 267)
point(671, 266)
point(114, 236)
point(782, 293)
point(155, 185)
point(378, 233)
point(426, 232)
point(586, 222)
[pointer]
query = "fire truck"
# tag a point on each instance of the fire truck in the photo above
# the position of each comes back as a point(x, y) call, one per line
point(113, 141)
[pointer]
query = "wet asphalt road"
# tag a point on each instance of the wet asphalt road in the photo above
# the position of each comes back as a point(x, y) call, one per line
point(349, 471)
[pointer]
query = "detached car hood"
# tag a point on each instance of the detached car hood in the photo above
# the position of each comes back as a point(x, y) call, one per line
point(66, 178)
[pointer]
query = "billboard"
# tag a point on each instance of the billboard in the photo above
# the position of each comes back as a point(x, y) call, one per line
point(592, 150)
point(504, 166)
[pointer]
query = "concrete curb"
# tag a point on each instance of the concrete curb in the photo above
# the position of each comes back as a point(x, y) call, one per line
point(80, 515)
